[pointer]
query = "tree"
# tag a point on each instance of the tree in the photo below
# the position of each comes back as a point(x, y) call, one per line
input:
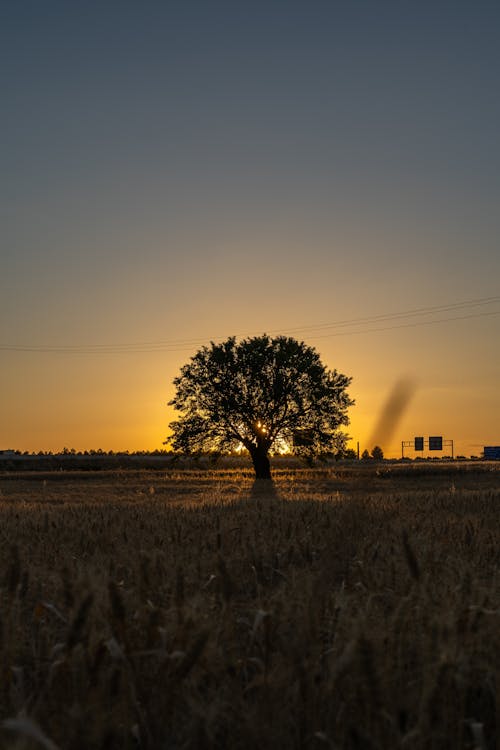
point(365, 456)
point(349, 453)
point(377, 453)
point(263, 394)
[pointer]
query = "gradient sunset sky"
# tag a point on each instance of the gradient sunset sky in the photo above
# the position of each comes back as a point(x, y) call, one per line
point(178, 172)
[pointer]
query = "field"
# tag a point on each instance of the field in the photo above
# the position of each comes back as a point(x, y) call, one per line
point(356, 607)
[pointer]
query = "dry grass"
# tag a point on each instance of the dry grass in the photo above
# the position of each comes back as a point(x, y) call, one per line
point(339, 609)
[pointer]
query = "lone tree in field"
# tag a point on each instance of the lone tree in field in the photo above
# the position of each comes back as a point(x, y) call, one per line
point(261, 393)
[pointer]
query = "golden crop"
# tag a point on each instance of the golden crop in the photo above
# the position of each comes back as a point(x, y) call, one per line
point(350, 608)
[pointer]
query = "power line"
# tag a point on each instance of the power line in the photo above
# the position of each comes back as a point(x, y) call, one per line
point(410, 325)
point(401, 315)
point(314, 331)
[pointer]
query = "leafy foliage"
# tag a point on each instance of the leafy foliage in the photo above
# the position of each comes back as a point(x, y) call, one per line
point(263, 393)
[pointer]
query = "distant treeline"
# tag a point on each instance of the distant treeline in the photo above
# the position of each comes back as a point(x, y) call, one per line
point(99, 460)
point(89, 460)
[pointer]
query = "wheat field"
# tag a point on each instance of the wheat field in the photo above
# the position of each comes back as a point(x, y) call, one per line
point(350, 607)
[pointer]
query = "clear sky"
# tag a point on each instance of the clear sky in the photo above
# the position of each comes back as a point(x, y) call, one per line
point(175, 172)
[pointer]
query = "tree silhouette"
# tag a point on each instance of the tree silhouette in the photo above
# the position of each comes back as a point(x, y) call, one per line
point(377, 453)
point(261, 393)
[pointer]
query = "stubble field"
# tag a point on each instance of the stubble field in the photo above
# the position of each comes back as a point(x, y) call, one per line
point(351, 607)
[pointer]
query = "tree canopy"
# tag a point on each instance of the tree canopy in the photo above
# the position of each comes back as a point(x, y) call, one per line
point(262, 393)
point(377, 453)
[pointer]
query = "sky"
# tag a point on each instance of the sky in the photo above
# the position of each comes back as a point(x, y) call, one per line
point(179, 172)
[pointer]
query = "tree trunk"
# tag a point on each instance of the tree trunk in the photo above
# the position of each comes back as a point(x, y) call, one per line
point(261, 463)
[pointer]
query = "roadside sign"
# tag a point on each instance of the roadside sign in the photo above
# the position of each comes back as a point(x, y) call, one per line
point(492, 452)
point(436, 443)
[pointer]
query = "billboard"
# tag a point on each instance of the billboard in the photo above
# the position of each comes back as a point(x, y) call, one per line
point(436, 443)
point(492, 452)
point(418, 444)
